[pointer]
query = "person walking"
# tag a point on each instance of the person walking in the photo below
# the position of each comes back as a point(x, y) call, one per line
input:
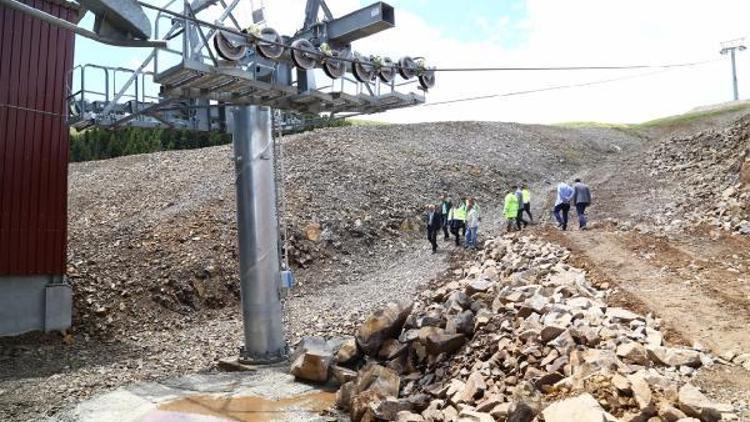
point(445, 207)
point(526, 202)
point(472, 225)
point(458, 224)
point(433, 219)
point(562, 204)
point(510, 210)
point(582, 199)
point(519, 218)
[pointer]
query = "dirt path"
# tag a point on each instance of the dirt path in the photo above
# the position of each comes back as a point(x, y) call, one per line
point(696, 282)
point(688, 291)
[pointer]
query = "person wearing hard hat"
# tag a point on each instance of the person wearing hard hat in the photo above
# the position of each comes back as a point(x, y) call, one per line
point(510, 210)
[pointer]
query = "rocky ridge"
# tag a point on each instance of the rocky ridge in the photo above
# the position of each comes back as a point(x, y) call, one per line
point(515, 335)
point(712, 168)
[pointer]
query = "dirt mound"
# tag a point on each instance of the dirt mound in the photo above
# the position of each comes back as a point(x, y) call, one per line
point(712, 170)
point(157, 232)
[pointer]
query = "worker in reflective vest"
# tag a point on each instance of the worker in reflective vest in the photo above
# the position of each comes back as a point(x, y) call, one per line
point(510, 210)
point(458, 224)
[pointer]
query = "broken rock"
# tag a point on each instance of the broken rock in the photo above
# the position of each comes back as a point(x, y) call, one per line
point(674, 357)
point(382, 325)
point(633, 352)
point(583, 408)
point(311, 359)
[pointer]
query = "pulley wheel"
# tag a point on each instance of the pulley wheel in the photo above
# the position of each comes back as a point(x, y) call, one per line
point(387, 72)
point(407, 67)
point(333, 67)
point(304, 54)
point(269, 44)
point(227, 50)
point(427, 79)
point(363, 70)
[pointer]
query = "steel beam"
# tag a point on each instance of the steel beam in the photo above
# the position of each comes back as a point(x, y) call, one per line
point(260, 275)
point(361, 23)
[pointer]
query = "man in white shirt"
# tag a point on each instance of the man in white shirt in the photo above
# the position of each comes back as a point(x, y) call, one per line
point(562, 204)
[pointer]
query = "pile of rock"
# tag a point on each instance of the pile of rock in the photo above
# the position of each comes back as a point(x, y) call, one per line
point(516, 330)
point(713, 170)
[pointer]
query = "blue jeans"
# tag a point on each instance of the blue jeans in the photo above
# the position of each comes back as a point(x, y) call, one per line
point(471, 237)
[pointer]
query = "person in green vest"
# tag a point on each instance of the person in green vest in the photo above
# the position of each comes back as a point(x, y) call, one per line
point(446, 204)
point(458, 223)
point(526, 206)
point(510, 210)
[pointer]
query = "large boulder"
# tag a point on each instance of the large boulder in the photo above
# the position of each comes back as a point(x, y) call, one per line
point(383, 324)
point(633, 352)
point(347, 352)
point(462, 323)
point(674, 357)
point(378, 378)
point(583, 408)
point(440, 342)
point(311, 359)
point(473, 387)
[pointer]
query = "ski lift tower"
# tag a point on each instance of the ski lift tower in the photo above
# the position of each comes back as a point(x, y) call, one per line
point(214, 72)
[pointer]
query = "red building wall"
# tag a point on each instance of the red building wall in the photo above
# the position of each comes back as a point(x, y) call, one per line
point(35, 59)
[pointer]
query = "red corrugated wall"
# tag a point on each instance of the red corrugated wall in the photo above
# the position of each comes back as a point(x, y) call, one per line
point(35, 58)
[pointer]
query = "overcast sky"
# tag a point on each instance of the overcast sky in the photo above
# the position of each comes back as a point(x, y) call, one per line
point(481, 33)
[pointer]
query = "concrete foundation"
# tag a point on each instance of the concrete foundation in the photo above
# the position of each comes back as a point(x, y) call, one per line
point(34, 303)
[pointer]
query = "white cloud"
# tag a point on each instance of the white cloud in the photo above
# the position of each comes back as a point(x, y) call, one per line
point(570, 32)
point(581, 32)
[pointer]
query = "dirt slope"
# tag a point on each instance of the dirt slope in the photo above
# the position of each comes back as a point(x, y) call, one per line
point(153, 238)
point(667, 237)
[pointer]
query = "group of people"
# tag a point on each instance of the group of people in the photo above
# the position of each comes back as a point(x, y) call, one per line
point(463, 217)
point(578, 195)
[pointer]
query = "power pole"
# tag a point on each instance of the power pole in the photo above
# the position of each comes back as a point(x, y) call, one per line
point(729, 47)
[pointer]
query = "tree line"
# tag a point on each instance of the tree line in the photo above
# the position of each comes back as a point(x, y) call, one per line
point(99, 144)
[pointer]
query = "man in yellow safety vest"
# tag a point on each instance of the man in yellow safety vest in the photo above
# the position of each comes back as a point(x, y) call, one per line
point(458, 221)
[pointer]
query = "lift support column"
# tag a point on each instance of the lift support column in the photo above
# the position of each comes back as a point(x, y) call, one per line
point(260, 275)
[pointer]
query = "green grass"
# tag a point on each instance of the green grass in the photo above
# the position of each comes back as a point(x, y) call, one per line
point(677, 120)
point(578, 125)
point(691, 117)
point(363, 122)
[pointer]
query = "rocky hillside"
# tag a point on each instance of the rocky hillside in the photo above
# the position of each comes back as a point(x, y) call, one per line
point(712, 171)
point(514, 335)
point(153, 238)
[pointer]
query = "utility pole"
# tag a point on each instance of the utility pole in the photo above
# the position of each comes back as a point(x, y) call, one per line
point(729, 47)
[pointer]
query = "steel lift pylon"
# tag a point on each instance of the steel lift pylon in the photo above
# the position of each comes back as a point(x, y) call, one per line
point(209, 71)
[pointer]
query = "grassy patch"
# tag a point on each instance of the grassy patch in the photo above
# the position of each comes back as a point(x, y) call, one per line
point(364, 122)
point(579, 125)
point(691, 117)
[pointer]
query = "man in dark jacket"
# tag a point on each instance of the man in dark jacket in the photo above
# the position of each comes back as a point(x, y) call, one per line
point(582, 199)
point(445, 208)
point(434, 221)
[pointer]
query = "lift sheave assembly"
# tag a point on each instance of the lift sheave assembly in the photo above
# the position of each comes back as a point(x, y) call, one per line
point(212, 59)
